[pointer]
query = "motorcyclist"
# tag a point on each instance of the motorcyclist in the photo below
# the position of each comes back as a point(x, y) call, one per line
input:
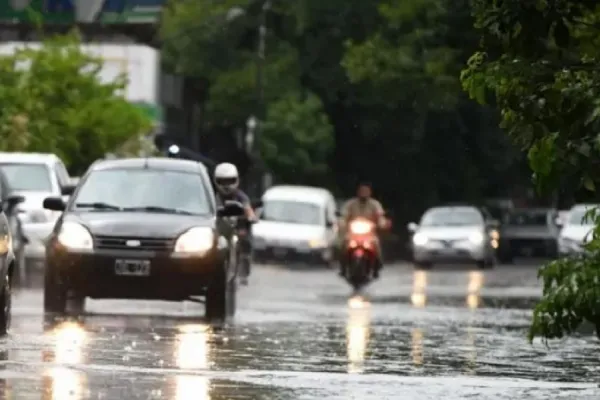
point(227, 181)
point(365, 206)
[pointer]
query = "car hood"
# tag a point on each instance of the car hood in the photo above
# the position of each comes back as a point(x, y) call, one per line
point(449, 232)
point(137, 224)
point(33, 200)
point(576, 232)
point(271, 230)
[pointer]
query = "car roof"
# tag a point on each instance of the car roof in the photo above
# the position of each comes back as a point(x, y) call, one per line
point(160, 163)
point(299, 193)
point(532, 210)
point(455, 208)
point(28, 158)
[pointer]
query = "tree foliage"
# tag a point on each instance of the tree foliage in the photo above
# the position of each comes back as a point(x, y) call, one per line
point(387, 75)
point(54, 101)
point(539, 64)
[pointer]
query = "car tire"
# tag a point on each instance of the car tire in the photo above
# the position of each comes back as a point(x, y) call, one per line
point(5, 306)
point(55, 296)
point(221, 297)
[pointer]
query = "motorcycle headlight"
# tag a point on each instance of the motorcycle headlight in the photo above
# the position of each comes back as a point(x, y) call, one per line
point(196, 240)
point(360, 227)
point(476, 238)
point(75, 236)
point(419, 239)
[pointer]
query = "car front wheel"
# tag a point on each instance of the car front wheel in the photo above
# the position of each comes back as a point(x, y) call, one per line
point(221, 296)
point(5, 306)
point(55, 296)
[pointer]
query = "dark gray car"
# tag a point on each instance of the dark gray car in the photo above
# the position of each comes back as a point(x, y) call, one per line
point(529, 232)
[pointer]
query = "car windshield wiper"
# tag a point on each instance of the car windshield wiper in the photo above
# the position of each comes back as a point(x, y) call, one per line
point(159, 210)
point(98, 206)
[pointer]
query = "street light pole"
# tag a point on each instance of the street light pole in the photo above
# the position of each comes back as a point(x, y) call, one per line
point(260, 88)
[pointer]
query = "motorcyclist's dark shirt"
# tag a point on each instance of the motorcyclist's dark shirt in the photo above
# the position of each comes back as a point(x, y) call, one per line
point(237, 195)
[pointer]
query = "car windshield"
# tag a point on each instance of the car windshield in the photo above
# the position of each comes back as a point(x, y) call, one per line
point(144, 189)
point(28, 177)
point(577, 217)
point(451, 217)
point(295, 212)
point(528, 218)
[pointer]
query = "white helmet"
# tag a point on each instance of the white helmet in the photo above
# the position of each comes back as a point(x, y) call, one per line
point(226, 178)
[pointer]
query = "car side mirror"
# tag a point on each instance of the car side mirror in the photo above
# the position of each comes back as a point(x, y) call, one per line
point(54, 204)
point(412, 227)
point(231, 209)
point(329, 224)
point(12, 201)
point(68, 190)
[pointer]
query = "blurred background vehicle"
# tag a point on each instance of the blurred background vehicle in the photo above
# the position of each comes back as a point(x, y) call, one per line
point(10, 206)
point(575, 230)
point(298, 224)
point(454, 234)
point(529, 232)
point(36, 176)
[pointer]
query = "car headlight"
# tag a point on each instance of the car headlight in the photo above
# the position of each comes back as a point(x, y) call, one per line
point(317, 243)
point(419, 239)
point(75, 236)
point(565, 241)
point(195, 240)
point(476, 238)
point(495, 235)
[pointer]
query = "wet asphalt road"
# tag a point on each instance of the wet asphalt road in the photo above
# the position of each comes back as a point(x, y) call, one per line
point(442, 334)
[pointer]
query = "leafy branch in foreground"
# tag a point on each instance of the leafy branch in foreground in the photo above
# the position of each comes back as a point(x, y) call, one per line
point(540, 64)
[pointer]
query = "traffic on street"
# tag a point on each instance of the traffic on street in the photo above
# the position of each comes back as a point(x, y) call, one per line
point(451, 333)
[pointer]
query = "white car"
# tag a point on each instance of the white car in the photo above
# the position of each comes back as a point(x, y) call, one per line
point(36, 176)
point(575, 230)
point(297, 223)
point(455, 234)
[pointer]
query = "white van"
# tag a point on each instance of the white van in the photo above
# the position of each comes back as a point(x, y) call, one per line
point(297, 223)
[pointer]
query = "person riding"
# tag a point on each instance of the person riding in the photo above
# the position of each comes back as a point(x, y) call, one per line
point(227, 181)
point(364, 206)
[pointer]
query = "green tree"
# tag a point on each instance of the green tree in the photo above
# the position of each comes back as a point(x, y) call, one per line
point(52, 100)
point(539, 64)
point(298, 124)
point(217, 42)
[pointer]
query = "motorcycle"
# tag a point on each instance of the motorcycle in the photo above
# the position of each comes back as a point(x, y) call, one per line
point(361, 252)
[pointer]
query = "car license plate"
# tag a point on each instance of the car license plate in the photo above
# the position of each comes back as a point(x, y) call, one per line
point(280, 252)
point(132, 267)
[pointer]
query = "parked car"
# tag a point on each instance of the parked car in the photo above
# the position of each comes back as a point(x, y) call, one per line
point(120, 237)
point(7, 266)
point(529, 232)
point(36, 176)
point(297, 224)
point(10, 202)
point(454, 234)
point(575, 230)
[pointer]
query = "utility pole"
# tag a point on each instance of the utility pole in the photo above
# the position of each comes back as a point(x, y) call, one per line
point(261, 112)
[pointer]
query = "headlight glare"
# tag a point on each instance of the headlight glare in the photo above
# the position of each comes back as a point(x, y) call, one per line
point(419, 239)
point(476, 238)
point(75, 236)
point(195, 240)
point(317, 243)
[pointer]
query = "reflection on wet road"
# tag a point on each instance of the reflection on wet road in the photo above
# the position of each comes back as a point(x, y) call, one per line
point(444, 333)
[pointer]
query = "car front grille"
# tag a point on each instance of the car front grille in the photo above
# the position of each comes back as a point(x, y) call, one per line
point(163, 245)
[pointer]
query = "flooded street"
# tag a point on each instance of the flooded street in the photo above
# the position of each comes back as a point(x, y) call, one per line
point(441, 334)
